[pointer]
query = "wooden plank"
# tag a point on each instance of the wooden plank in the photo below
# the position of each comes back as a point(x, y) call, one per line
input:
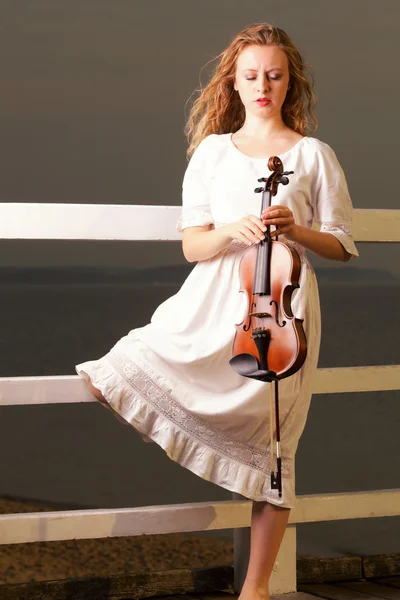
point(356, 505)
point(88, 222)
point(333, 592)
point(312, 569)
point(64, 389)
point(180, 518)
point(357, 379)
point(102, 523)
point(380, 565)
point(376, 225)
point(213, 596)
point(293, 596)
point(373, 589)
point(390, 581)
point(58, 389)
point(20, 220)
point(140, 585)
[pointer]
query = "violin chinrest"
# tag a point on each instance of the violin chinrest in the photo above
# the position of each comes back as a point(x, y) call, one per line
point(247, 365)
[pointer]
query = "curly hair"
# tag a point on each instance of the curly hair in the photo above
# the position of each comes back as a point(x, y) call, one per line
point(218, 109)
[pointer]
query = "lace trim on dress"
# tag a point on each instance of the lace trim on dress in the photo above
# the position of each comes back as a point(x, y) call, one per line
point(166, 406)
point(341, 230)
point(300, 249)
point(338, 226)
point(195, 217)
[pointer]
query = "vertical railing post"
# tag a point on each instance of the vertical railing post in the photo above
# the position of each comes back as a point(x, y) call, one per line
point(241, 551)
point(283, 579)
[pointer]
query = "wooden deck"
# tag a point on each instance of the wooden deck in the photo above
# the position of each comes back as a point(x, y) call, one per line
point(375, 589)
point(370, 589)
point(387, 588)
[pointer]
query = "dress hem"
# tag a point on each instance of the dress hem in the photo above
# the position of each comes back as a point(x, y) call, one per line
point(153, 426)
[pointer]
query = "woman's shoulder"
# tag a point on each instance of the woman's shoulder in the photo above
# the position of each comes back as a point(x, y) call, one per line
point(318, 154)
point(215, 140)
point(211, 147)
point(314, 145)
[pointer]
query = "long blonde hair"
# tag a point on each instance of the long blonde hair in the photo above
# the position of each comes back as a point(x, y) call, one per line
point(218, 109)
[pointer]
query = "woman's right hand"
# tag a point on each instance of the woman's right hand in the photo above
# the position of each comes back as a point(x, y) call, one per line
point(249, 229)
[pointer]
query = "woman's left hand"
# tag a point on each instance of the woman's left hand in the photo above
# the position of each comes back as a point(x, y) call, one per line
point(283, 219)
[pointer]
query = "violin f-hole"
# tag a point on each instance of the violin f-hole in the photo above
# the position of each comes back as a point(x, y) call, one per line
point(277, 314)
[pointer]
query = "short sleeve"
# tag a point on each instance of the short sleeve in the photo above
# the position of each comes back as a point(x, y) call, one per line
point(196, 210)
point(331, 200)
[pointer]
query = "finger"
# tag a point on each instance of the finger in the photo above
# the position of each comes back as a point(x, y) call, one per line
point(254, 236)
point(256, 229)
point(242, 238)
point(256, 221)
point(283, 217)
point(280, 231)
point(247, 235)
point(279, 220)
point(276, 211)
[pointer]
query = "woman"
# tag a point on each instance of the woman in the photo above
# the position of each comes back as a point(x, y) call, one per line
point(171, 379)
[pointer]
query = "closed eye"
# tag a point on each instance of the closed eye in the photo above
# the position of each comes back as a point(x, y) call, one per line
point(276, 78)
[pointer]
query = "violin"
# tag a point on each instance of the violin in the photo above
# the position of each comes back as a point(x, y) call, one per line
point(270, 343)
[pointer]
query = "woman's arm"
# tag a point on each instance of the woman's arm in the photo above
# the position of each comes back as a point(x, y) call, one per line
point(202, 243)
point(321, 243)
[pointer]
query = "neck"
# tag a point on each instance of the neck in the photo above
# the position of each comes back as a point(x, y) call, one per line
point(263, 128)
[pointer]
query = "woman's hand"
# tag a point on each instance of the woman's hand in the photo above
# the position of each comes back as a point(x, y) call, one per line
point(250, 230)
point(283, 219)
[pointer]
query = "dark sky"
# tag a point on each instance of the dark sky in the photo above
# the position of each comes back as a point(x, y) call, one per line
point(93, 100)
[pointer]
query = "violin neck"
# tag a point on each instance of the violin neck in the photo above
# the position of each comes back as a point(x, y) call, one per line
point(266, 200)
point(262, 277)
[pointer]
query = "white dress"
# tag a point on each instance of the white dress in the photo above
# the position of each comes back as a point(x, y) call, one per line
point(171, 379)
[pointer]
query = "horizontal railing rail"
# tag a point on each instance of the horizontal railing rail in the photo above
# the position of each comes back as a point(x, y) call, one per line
point(143, 223)
point(68, 389)
point(180, 518)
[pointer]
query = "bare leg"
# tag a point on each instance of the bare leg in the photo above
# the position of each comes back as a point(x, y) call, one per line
point(268, 524)
point(96, 393)
point(104, 402)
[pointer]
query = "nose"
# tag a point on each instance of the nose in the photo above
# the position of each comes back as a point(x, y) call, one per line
point(263, 84)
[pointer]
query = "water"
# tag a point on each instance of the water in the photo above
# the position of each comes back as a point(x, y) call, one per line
point(80, 456)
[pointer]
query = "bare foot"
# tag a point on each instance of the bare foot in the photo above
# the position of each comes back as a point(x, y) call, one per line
point(253, 596)
point(253, 593)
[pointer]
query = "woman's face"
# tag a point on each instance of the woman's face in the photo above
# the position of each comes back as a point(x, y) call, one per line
point(262, 79)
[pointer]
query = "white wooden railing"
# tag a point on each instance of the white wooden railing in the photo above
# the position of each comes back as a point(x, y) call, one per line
point(156, 223)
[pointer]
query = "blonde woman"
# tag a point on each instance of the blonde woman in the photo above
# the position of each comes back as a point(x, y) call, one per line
point(171, 379)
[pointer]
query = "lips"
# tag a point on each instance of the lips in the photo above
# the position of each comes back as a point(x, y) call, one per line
point(263, 101)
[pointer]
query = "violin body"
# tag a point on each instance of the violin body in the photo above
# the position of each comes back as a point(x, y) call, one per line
point(270, 342)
